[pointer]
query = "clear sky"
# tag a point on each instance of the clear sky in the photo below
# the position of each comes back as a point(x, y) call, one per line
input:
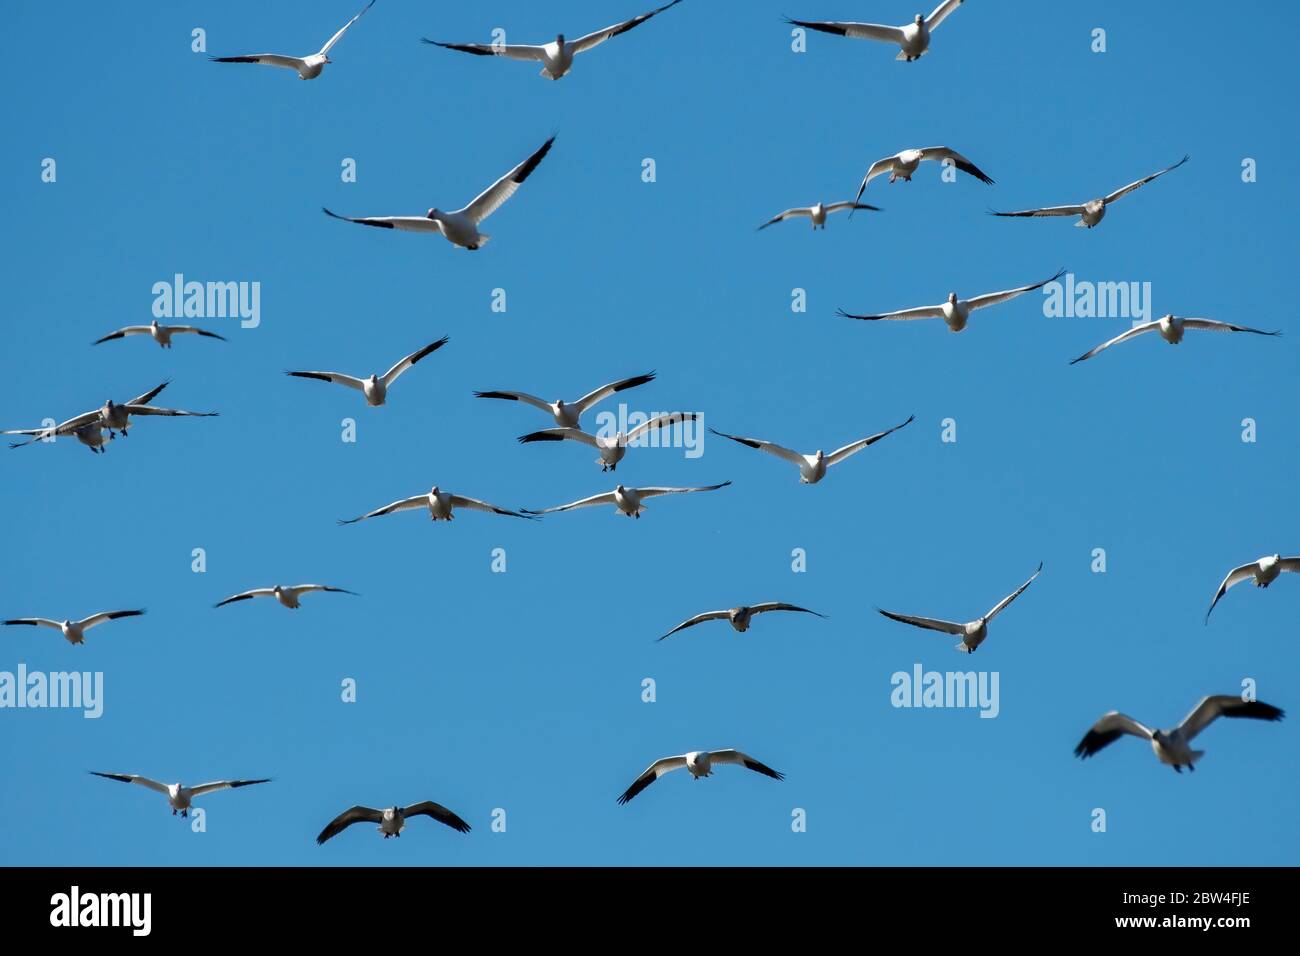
point(523, 690)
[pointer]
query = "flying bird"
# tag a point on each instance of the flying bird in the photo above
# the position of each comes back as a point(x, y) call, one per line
point(817, 213)
point(913, 39)
point(287, 596)
point(700, 764)
point(392, 820)
point(903, 165)
point(460, 227)
point(568, 414)
point(178, 795)
point(557, 56)
point(162, 334)
point(1171, 329)
point(111, 416)
point(75, 631)
point(612, 448)
point(375, 388)
point(440, 504)
point(1265, 571)
point(955, 312)
point(1094, 210)
point(627, 501)
point(1174, 747)
point(812, 468)
point(739, 617)
point(972, 633)
point(307, 67)
point(92, 435)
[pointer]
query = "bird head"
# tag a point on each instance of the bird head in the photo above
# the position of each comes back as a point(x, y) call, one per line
point(434, 491)
point(153, 324)
point(1158, 736)
point(619, 489)
point(919, 20)
point(373, 378)
point(559, 38)
point(432, 213)
point(952, 298)
point(277, 589)
point(819, 454)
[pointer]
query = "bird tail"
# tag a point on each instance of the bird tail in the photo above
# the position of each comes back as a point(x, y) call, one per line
point(483, 240)
point(961, 646)
point(1197, 755)
point(1080, 224)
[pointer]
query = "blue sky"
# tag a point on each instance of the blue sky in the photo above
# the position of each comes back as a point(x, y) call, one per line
point(522, 690)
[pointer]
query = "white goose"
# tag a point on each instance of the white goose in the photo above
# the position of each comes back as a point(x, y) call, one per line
point(903, 165)
point(375, 388)
point(179, 796)
point(817, 213)
point(74, 631)
point(110, 416)
point(287, 596)
point(913, 39)
point(391, 820)
point(612, 448)
point(739, 617)
point(955, 312)
point(569, 414)
point(1174, 747)
point(93, 435)
point(1094, 210)
point(972, 633)
point(307, 67)
point(460, 227)
point(1265, 571)
point(627, 501)
point(700, 764)
point(162, 334)
point(812, 468)
point(440, 504)
point(557, 56)
point(1171, 329)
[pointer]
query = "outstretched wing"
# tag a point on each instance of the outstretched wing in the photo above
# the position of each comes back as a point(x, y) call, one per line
point(403, 504)
point(133, 778)
point(1107, 730)
point(1210, 325)
point(404, 223)
point(599, 394)
point(440, 813)
point(516, 51)
point(854, 31)
point(560, 434)
point(837, 456)
point(1046, 211)
point(993, 298)
point(902, 315)
point(122, 333)
point(460, 501)
point(651, 774)
point(698, 619)
point(584, 43)
point(266, 59)
point(602, 499)
point(338, 36)
point(224, 785)
point(246, 595)
point(1125, 190)
point(516, 397)
point(338, 378)
point(780, 606)
point(929, 623)
point(878, 168)
point(402, 365)
point(1122, 337)
point(770, 447)
point(103, 616)
point(661, 421)
point(997, 608)
point(1235, 576)
point(491, 198)
point(744, 760)
point(941, 13)
point(656, 492)
point(1225, 705)
point(357, 814)
point(788, 214)
point(940, 153)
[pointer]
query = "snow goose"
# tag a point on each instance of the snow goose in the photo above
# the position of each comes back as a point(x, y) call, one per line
point(178, 795)
point(626, 501)
point(817, 213)
point(557, 56)
point(287, 596)
point(92, 435)
point(440, 504)
point(111, 416)
point(392, 820)
point(460, 227)
point(739, 617)
point(972, 633)
point(903, 165)
point(568, 414)
point(162, 334)
point(1094, 210)
point(612, 448)
point(74, 631)
point(1174, 747)
point(1265, 571)
point(700, 763)
point(1171, 329)
point(307, 67)
point(913, 38)
point(812, 468)
point(955, 312)
point(375, 388)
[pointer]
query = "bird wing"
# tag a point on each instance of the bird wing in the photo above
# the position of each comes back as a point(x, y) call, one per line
point(1210, 325)
point(1235, 576)
point(998, 608)
point(122, 333)
point(1125, 190)
point(598, 394)
point(993, 298)
point(224, 785)
point(182, 329)
point(941, 13)
point(878, 168)
point(1122, 337)
point(780, 606)
point(402, 365)
point(108, 616)
point(940, 153)
point(656, 492)
point(148, 396)
point(855, 31)
point(560, 434)
point(1225, 705)
point(517, 51)
point(585, 43)
point(490, 199)
point(133, 409)
point(63, 428)
point(404, 223)
point(308, 588)
point(606, 498)
point(517, 397)
point(789, 213)
point(736, 757)
point(837, 456)
point(698, 619)
point(460, 501)
point(133, 778)
point(930, 623)
point(34, 622)
point(440, 813)
point(403, 504)
point(661, 421)
point(651, 774)
point(338, 378)
point(1290, 564)
point(851, 204)
point(770, 447)
point(357, 814)
point(902, 315)
point(245, 595)
point(1045, 211)
point(338, 36)
point(266, 59)
point(1107, 730)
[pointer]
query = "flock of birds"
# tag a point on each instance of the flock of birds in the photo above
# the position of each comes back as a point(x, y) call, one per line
point(462, 228)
